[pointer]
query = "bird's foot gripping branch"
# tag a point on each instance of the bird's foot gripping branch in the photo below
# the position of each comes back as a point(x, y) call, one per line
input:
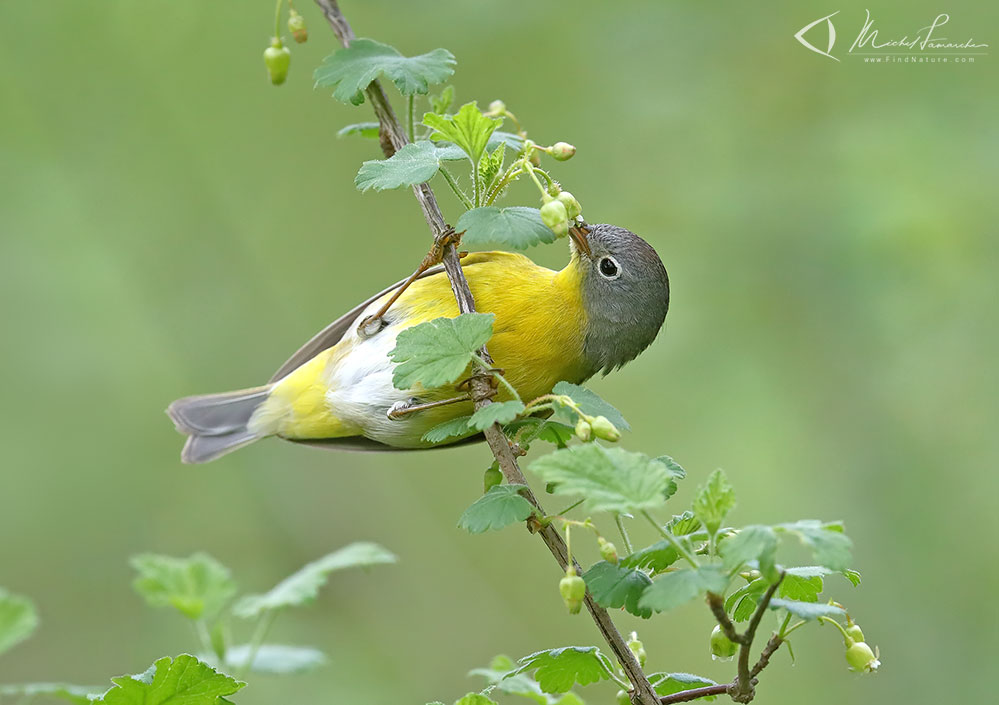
point(694, 555)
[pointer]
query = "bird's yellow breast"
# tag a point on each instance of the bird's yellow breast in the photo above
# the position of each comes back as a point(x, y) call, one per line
point(537, 341)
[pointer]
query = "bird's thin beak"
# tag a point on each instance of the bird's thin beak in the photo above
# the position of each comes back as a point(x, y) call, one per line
point(578, 234)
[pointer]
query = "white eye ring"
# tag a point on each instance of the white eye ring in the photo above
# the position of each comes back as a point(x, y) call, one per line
point(611, 264)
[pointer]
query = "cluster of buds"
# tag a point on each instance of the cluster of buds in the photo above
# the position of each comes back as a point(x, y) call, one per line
point(859, 655)
point(559, 210)
point(277, 57)
point(596, 426)
point(573, 590)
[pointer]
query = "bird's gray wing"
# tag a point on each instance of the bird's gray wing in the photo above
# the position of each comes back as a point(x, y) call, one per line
point(331, 334)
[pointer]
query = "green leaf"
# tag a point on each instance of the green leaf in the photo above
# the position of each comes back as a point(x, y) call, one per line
point(669, 683)
point(678, 587)
point(830, 546)
point(274, 659)
point(618, 586)
point(18, 619)
point(79, 694)
point(853, 576)
point(657, 557)
point(683, 524)
point(469, 129)
point(197, 586)
point(714, 500)
point(609, 479)
point(440, 103)
point(752, 543)
point(454, 428)
point(807, 610)
point(490, 165)
point(516, 227)
point(678, 472)
point(349, 71)
point(501, 506)
point(557, 670)
point(591, 404)
point(183, 680)
point(501, 412)
point(438, 351)
point(303, 586)
point(364, 129)
point(800, 588)
point(415, 163)
point(475, 699)
point(742, 603)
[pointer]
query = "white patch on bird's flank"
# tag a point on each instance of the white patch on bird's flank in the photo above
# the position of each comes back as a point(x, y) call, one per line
point(359, 387)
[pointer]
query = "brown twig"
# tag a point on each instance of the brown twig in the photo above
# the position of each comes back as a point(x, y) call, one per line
point(393, 136)
point(694, 693)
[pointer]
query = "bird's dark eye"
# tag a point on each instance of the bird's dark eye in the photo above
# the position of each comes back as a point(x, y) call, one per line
point(609, 268)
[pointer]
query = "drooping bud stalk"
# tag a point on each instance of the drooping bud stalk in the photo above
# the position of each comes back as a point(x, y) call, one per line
point(277, 59)
point(573, 590)
point(722, 648)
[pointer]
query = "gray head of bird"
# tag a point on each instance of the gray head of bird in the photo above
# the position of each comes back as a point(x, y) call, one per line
point(625, 293)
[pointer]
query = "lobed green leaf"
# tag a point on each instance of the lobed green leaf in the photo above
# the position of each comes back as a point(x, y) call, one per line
point(752, 543)
point(352, 69)
point(516, 227)
point(557, 670)
point(616, 586)
point(438, 352)
point(197, 586)
point(714, 500)
point(830, 546)
point(501, 506)
point(469, 129)
point(608, 479)
point(303, 586)
point(453, 428)
point(183, 680)
point(415, 163)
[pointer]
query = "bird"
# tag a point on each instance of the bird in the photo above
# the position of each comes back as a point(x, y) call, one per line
point(600, 311)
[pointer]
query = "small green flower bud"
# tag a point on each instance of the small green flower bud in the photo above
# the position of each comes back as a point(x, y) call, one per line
point(637, 648)
point(562, 229)
point(861, 658)
point(854, 632)
point(608, 551)
point(722, 648)
point(603, 428)
point(572, 207)
point(573, 590)
point(497, 106)
point(277, 58)
point(562, 151)
point(553, 213)
point(583, 430)
point(492, 477)
point(296, 25)
point(623, 698)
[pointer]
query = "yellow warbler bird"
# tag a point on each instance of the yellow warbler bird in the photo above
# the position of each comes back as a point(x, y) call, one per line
point(599, 312)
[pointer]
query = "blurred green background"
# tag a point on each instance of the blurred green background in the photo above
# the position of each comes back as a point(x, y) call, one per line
point(172, 224)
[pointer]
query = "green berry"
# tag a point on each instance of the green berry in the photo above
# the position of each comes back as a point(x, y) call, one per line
point(854, 632)
point(562, 151)
point(553, 213)
point(583, 430)
point(492, 477)
point(603, 428)
point(296, 25)
point(573, 590)
point(277, 58)
point(572, 207)
point(608, 551)
point(623, 698)
point(722, 648)
point(861, 658)
point(497, 106)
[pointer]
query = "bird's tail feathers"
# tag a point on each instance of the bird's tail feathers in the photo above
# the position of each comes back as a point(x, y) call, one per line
point(216, 423)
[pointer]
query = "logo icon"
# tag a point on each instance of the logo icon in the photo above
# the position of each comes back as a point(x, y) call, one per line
point(800, 36)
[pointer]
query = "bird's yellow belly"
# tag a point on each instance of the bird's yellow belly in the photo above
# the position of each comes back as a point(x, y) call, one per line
point(347, 390)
